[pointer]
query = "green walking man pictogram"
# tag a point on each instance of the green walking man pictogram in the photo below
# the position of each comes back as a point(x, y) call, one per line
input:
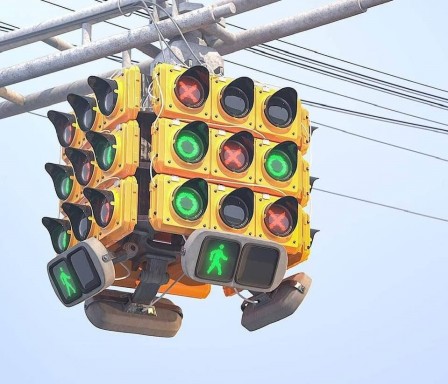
point(64, 277)
point(216, 256)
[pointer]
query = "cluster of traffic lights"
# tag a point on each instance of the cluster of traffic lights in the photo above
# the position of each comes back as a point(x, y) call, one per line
point(245, 140)
point(100, 149)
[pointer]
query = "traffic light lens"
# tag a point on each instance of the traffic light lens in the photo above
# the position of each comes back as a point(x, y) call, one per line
point(86, 173)
point(279, 112)
point(278, 220)
point(190, 91)
point(66, 282)
point(234, 156)
point(65, 187)
point(234, 212)
point(107, 156)
point(63, 241)
point(83, 228)
point(235, 102)
point(106, 212)
point(188, 203)
point(68, 134)
point(189, 146)
point(278, 165)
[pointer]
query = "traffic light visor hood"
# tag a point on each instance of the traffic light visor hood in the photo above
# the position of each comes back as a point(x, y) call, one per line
point(237, 98)
point(104, 146)
point(84, 110)
point(82, 164)
point(281, 107)
point(58, 230)
point(80, 219)
point(102, 203)
point(62, 179)
point(106, 93)
point(193, 87)
point(63, 123)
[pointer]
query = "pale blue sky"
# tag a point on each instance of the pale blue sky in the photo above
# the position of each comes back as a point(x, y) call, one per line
point(377, 310)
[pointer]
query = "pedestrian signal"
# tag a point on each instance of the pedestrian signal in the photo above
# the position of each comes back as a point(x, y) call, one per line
point(81, 272)
point(233, 260)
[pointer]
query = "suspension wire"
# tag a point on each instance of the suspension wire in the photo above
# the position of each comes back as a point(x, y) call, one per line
point(336, 93)
point(380, 142)
point(350, 62)
point(381, 205)
point(347, 79)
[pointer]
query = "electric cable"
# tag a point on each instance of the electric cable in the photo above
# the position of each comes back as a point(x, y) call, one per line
point(336, 93)
point(380, 142)
point(349, 62)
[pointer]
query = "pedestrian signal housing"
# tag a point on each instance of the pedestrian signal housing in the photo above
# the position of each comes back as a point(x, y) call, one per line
point(234, 260)
point(81, 272)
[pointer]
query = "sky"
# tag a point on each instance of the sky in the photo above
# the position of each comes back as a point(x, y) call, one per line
point(377, 309)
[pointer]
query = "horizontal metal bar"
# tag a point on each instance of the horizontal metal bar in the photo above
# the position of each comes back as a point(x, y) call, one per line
point(67, 23)
point(326, 14)
point(56, 94)
point(12, 96)
point(246, 5)
point(58, 43)
point(112, 45)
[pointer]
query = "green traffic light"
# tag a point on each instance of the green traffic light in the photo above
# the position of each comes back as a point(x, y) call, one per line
point(189, 146)
point(278, 165)
point(66, 282)
point(216, 258)
point(63, 241)
point(66, 185)
point(188, 203)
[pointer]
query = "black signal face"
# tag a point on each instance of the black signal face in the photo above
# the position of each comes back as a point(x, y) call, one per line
point(105, 92)
point(237, 208)
point(83, 107)
point(258, 266)
point(82, 164)
point(279, 112)
point(66, 281)
point(190, 91)
point(62, 179)
point(58, 230)
point(79, 219)
point(63, 123)
point(102, 205)
point(235, 101)
point(85, 270)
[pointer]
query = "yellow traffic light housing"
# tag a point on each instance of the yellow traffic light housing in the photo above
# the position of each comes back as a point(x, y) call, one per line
point(180, 148)
point(114, 209)
point(232, 157)
point(117, 153)
point(181, 93)
point(303, 251)
point(306, 131)
point(233, 103)
point(179, 205)
point(278, 113)
point(232, 210)
point(119, 99)
point(281, 219)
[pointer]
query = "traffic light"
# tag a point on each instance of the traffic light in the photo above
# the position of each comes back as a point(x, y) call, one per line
point(233, 260)
point(81, 272)
point(67, 130)
point(233, 102)
point(114, 209)
point(181, 93)
point(60, 233)
point(66, 186)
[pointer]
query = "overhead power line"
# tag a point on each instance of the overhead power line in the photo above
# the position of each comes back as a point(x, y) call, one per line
point(351, 62)
point(380, 142)
point(382, 205)
point(336, 93)
point(311, 68)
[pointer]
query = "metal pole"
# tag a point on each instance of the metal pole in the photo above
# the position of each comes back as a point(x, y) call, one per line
point(109, 46)
point(326, 14)
point(126, 59)
point(56, 95)
point(13, 96)
point(67, 23)
point(246, 5)
point(86, 33)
